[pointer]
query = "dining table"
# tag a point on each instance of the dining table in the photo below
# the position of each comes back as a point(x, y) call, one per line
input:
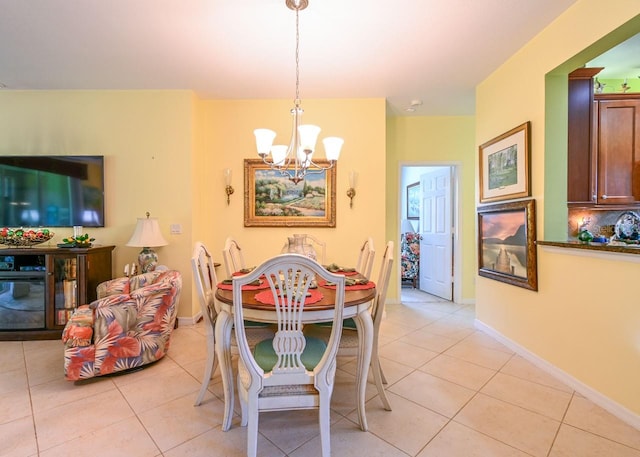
point(358, 300)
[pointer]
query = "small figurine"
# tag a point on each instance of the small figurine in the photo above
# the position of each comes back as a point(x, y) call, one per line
point(625, 86)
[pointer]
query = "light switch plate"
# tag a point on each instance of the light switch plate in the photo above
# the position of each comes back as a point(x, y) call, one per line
point(175, 229)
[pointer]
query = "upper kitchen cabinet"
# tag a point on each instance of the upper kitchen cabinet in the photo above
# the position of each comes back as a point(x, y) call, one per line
point(617, 147)
point(603, 145)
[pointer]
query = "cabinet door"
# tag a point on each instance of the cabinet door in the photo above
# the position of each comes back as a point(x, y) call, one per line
point(581, 128)
point(65, 287)
point(618, 152)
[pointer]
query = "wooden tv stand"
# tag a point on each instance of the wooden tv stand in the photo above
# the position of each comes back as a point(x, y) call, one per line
point(41, 286)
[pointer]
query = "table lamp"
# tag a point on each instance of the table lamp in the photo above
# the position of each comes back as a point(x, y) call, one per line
point(146, 236)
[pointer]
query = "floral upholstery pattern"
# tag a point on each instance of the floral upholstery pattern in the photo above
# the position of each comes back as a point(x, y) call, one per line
point(128, 326)
point(410, 256)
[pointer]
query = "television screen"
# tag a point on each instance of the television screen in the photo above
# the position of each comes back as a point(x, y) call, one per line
point(51, 191)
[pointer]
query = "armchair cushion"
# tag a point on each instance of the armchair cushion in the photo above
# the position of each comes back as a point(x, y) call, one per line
point(128, 329)
point(410, 252)
point(79, 330)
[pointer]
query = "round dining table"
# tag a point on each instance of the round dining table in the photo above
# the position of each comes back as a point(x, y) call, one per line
point(356, 306)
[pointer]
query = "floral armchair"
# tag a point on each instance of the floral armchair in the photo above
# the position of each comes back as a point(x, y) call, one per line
point(410, 257)
point(128, 326)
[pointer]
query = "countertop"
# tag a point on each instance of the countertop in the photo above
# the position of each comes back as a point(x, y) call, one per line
point(591, 246)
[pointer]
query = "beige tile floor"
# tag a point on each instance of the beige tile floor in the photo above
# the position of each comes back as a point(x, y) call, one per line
point(454, 391)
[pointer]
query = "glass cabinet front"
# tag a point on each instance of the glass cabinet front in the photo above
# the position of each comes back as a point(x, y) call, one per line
point(65, 287)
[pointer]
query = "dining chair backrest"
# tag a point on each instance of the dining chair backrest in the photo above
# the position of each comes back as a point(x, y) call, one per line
point(366, 256)
point(381, 286)
point(204, 277)
point(233, 258)
point(289, 371)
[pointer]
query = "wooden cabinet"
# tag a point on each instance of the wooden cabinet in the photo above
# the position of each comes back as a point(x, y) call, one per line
point(617, 149)
point(580, 169)
point(40, 287)
point(603, 147)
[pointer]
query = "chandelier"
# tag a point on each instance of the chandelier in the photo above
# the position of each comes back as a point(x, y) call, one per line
point(295, 161)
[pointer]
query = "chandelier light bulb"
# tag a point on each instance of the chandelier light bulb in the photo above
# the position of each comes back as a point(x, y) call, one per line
point(264, 140)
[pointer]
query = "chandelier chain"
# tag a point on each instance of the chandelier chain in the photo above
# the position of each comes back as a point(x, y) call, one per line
point(297, 100)
point(295, 161)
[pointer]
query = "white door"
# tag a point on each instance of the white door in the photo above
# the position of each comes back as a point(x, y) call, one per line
point(436, 247)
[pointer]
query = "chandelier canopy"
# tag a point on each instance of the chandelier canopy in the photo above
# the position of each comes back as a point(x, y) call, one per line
point(295, 161)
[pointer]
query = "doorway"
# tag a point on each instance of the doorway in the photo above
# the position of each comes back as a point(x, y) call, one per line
point(428, 205)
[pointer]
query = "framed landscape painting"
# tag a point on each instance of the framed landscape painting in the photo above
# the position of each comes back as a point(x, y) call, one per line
point(272, 200)
point(504, 166)
point(506, 243)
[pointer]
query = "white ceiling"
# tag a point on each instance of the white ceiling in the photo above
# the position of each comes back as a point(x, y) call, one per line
point(436, 51)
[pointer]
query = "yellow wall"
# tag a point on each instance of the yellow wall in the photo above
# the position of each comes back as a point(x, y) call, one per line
point(165, 152)
point(227, 127)
point(447, 139)
point(146, 138)
point(584, 319)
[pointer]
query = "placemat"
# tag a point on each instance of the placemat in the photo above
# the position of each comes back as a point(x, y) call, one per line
point(367, 285)
point(229, 286)
point(266, 297)
point(338, 270)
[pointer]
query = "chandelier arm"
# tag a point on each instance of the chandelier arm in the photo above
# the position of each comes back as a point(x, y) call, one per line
point(319, 168)
point(297, 162)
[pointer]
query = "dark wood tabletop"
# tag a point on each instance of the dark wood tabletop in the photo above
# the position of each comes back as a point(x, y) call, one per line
point(351, 298)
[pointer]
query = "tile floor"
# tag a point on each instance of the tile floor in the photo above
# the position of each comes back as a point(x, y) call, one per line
point(454, 391)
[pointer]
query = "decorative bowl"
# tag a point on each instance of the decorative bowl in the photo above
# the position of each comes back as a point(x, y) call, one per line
point(24, 237)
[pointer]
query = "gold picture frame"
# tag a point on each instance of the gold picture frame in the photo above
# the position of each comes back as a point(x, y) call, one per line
point(504, 165)
point(272, 200)
point(507, 243)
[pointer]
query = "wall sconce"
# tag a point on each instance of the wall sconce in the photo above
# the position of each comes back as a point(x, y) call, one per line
point(227, 182)
point(351, 191)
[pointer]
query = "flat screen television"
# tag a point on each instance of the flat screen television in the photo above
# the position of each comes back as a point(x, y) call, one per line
point(51, 191)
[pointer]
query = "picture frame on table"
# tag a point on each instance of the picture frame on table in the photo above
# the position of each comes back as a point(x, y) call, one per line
point(273, 200)
point(413, 201)
point(507, 243)
point(504, 165)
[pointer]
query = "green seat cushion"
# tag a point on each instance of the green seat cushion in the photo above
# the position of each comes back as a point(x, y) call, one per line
point(347, 324)
point(254, 324)
point(266, 357)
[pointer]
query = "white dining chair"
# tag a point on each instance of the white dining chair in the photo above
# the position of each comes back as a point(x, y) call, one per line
point(288, 371)
point(349, 340)
point(233, 258)
point(366, 256)
point(204, 276)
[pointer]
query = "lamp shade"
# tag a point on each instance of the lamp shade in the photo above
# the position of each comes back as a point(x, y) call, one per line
point(147, 234)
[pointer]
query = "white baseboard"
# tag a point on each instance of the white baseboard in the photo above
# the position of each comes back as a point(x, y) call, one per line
point(596, 397)
point(189, 320)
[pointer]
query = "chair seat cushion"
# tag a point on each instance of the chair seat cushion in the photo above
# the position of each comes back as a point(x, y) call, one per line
point(347, 324)
point(266, 356)
point(254, 324)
